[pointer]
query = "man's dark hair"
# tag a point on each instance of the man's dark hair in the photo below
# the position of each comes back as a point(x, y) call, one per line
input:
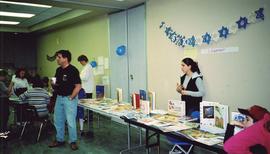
point(65, 54)
point(82, 58)
point(38, 83)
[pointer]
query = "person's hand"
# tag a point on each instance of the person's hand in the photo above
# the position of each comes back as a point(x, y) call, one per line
point(178, 88)
point(238, 124)
point(184, 92)
point(244, 124)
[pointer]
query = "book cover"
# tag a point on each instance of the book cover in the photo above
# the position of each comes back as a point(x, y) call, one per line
point(119, 95)
point(136, 101)
point(99, 91)
point(142, 94)
point(202, 137)
point(145, 107)
point(221, 116)
point(213, 117)
point(177, 107)
point(152, 100)
point(237, 116)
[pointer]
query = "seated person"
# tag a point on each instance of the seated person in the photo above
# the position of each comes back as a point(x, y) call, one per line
point(19, 82)
point(4, 106)
point(80, 110)
point(255, 138)
point(37, 97)
point(253, 114)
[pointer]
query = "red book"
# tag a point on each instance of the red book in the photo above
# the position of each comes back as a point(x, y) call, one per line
point(136, 100)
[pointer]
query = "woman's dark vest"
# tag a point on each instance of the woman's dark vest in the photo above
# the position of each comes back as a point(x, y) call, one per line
point(192, 103)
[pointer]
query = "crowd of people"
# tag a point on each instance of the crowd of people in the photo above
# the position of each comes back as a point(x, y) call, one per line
point(45, 95)
point(70, 85)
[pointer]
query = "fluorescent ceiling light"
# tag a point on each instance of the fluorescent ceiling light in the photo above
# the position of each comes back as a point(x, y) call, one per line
point(13, 14)
point(9, 22)
point(27, 4)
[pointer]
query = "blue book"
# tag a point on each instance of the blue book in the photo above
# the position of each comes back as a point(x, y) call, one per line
point(142, 94)
point(99, 91)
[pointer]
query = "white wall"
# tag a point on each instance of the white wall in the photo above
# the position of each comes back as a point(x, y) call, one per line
point(238, 79)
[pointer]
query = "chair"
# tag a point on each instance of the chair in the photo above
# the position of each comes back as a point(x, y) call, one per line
point(34, 117)
point(178, 147)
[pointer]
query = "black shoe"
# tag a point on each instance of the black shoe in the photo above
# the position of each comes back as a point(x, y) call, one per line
point(73, 146)
point(82, 133)
point(56, 144)
point(85, 119)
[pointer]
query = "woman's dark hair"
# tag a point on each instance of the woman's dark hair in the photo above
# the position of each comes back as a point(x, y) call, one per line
point(82, 58)
point(65, 54)
point(17, 73)
point(193, 64)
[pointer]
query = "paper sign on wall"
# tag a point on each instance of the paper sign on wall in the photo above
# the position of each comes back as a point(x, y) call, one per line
point(106, 63)
point(190, 52)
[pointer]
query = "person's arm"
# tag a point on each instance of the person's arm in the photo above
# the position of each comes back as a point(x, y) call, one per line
point(199, 93)
point(85, 74)
point(24, 96)
point(3, 88)
point(75, 91)
point(229, 132)
point(10, 87)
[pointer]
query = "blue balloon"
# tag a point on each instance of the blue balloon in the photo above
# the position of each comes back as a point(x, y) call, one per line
point(93, 63)
point(121, 50)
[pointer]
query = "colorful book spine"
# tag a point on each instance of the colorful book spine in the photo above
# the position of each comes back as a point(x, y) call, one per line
point(142, 94)
point(152, 100)
point(136, 101)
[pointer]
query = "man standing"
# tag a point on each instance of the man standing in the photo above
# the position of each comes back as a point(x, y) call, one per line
point(87, 78)
point(67, 87)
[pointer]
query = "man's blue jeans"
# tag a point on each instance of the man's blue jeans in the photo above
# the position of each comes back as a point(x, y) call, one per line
point(65, 110)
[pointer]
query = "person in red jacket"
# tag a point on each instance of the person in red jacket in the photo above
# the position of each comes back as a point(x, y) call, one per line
point(254, 139)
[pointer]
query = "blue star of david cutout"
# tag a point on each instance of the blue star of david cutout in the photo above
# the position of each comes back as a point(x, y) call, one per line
point(162, 24)
point(206, 38)
point(242, 22)
point(223, 32)
point(259, 14)
point(168, 31)
point(191, 41)
point(180, 40)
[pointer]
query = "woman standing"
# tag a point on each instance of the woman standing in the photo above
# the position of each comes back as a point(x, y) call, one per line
point(192, 87)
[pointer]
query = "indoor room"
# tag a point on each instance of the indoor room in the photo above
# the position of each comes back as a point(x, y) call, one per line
point(134, 76)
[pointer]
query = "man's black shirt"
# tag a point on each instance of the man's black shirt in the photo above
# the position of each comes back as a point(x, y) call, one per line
point(66, 79)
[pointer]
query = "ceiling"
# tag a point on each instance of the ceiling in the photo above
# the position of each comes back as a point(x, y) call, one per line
point(61, 13)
